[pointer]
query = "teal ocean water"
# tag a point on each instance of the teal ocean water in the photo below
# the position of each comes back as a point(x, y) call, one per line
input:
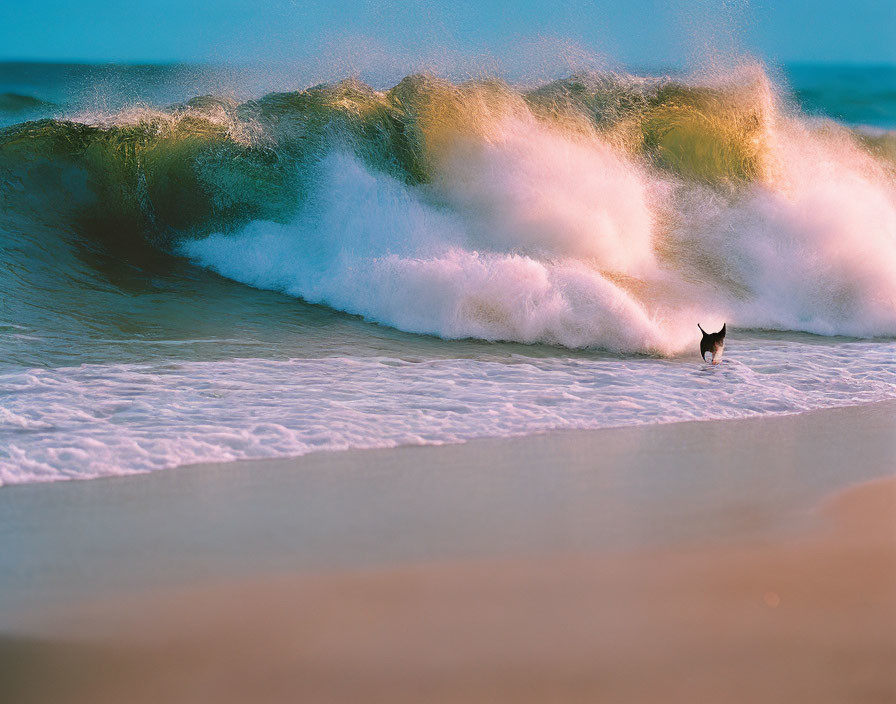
point(205, 264)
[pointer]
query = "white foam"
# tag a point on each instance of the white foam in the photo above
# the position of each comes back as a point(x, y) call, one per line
point(535, 234)
point(814, 251)
point(99, 420)
point(366, 244)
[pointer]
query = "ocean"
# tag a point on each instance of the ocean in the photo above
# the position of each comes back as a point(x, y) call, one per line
point(195, 268)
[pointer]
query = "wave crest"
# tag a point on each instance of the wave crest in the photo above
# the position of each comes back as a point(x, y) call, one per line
point(602, 210)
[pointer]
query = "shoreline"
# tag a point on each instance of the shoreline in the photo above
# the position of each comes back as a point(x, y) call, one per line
point(738, 561)
point(277, 461)
point(286, 408)
point(554, 493)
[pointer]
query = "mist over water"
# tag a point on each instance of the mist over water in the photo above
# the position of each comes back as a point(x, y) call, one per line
point(592, 216)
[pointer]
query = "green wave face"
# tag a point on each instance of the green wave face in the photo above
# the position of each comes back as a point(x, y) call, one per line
point(18, 103)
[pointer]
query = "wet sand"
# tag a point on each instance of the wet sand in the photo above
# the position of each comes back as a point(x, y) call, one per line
point(739, 561)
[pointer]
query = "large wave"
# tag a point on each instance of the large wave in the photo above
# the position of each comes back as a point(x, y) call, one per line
point(605, 210)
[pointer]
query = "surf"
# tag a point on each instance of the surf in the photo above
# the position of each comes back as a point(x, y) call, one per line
point(603, 210)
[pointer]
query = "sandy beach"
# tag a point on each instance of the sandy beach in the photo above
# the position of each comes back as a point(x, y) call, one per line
point(737, 561)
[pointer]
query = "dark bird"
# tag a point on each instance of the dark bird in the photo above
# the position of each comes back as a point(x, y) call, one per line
point(713, 342)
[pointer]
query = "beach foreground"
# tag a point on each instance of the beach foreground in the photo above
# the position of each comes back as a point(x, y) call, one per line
point(736, 561)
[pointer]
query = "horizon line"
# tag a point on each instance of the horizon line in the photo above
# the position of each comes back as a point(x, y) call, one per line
point(170, 63)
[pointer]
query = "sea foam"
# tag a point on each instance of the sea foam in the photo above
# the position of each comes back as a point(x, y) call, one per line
point(601, 210)
point(100, 420)
point(533, 236)
point(369, 245)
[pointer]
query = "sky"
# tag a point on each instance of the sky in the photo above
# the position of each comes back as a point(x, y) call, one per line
point(631, 32)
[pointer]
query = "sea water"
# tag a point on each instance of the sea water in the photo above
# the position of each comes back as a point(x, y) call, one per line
point(198, 269)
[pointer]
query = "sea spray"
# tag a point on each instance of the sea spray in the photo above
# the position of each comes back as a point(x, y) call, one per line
point(603, 210)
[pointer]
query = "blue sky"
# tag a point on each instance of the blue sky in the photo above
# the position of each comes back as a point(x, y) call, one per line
point(634, 32)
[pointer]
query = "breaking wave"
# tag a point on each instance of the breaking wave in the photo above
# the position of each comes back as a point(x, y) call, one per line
point(602, 210)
